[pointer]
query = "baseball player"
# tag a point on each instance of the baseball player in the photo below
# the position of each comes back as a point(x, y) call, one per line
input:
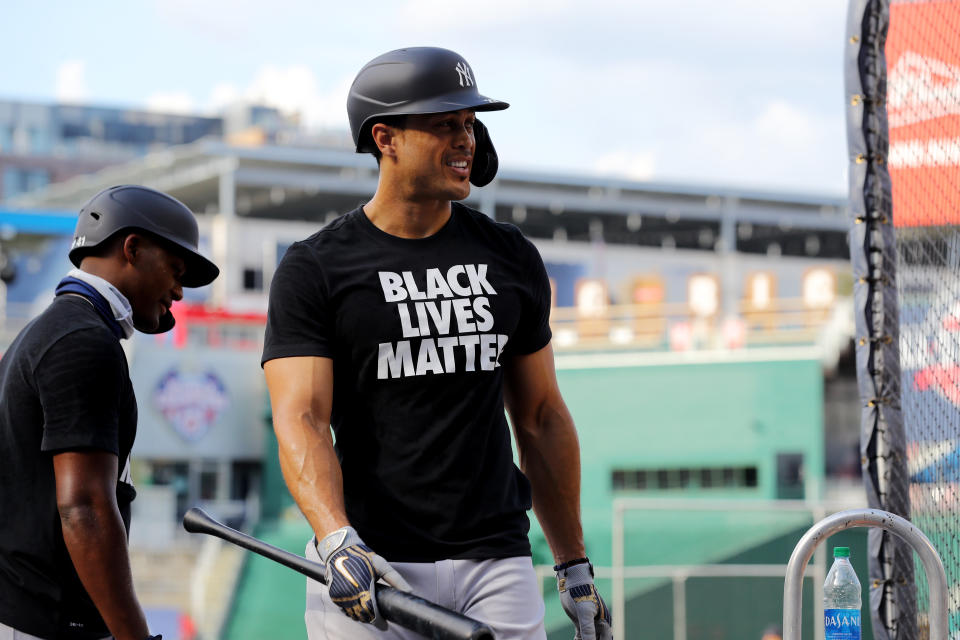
point(407, 326)
point(68, 418)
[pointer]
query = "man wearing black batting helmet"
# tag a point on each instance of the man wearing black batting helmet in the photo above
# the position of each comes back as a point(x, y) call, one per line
point(408, 326)
point(68, 418)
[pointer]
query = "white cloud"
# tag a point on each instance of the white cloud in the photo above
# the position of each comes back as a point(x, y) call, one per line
point(612, 29)
point(782, 145)
point(628, 164)
point(291, 89)
point(222, 95)
point(72, 82)
point(425, 15)
point(171, 102)
point(786, 125)
point(225, 20)
point(409, 22)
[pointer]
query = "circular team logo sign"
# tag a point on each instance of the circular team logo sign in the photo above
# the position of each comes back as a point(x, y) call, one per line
point(190, 402)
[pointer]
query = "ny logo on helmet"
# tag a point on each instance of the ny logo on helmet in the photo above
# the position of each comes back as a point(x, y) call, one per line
point(466, 79)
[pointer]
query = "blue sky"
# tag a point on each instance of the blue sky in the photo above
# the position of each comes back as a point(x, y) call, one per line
point(741, 93)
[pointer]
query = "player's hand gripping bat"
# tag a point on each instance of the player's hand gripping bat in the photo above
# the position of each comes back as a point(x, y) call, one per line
point(404, 609)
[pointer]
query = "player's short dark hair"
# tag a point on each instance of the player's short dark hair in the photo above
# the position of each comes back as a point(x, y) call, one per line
point(396, 121)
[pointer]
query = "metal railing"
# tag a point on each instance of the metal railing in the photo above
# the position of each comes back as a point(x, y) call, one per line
point(678, 574)
point(675, 326)
point(826, 527)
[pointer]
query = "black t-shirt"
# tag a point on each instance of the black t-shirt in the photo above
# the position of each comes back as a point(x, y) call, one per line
point(418, 330)
point(64, 386)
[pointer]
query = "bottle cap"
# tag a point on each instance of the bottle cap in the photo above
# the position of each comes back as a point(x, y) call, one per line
point(841, 552)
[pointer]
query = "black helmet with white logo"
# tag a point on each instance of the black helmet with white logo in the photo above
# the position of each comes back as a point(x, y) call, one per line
point(420, 80)
point(133, 207)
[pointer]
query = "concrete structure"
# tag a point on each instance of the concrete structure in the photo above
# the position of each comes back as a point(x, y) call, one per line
point(43, 143)
point(46, 143)
point(255, 201)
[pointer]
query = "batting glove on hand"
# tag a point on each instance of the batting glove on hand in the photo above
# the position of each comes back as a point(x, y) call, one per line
point(352, 569)
point(582, 602)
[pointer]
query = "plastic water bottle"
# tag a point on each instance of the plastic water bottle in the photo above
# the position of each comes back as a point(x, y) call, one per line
point(841, 599)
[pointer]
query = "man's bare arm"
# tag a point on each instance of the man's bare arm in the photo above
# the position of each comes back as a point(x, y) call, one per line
point(96, 539)
point(301, 395)
point(548, 447)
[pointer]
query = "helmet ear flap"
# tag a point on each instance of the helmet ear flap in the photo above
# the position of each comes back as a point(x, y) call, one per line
point(166, 323)
point(485, 162)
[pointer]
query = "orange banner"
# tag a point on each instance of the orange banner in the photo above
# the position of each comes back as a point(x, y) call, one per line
point(923, 112)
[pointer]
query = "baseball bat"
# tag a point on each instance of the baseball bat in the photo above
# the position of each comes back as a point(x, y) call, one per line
point(404, 609)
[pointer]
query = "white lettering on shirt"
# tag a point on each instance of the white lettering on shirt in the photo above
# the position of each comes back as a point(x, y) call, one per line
point(446, 320)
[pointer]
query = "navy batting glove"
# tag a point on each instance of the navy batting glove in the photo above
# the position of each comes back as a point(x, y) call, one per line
point(352, 569)
point(582, 602)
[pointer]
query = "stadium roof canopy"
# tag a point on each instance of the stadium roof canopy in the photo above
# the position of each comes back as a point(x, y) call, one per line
point(295, 183)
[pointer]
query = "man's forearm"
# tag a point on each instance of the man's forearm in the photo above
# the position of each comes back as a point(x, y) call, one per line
point(311, 471)
point(97, 542)
point(550, 458)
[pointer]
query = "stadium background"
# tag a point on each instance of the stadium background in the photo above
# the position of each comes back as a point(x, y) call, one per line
point(703, 334)
point(703, 344)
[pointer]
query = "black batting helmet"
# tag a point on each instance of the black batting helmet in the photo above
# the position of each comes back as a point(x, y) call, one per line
point(420, 80)
point(133, 207)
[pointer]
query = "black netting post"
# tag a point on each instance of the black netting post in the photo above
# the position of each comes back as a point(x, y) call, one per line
point(874, 258)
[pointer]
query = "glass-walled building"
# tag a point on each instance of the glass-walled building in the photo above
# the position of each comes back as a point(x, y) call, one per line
point(41, 144)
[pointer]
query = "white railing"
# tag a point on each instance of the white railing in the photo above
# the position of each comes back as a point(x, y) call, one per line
point(784, 321)
point(679, 574)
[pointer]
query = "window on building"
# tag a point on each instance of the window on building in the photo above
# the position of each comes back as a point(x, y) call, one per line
point(36, 179)
point(176, 474)
point(11, 181)
point(282, 249)
point(208, 480)
point(18, 180)
point(39, 140)
point(790, 476)
point(745, 477)
point(245, 479)
point(252, 279)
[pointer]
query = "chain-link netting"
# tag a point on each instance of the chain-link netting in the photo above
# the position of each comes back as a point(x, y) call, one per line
point(923, 114)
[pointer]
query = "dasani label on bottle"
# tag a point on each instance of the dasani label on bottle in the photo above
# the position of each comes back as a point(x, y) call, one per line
point(841, 624)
